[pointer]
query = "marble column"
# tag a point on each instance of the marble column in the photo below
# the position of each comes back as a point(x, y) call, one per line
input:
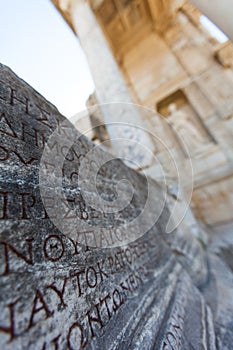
point(219, 12)
point(111, 88)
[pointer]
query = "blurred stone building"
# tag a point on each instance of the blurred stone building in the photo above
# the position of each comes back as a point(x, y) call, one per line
point(158, 54)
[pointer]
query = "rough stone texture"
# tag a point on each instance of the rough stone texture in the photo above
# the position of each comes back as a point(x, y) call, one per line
point(57, 293)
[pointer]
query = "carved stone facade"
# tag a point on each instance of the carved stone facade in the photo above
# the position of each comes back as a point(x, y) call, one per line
point(167, 58)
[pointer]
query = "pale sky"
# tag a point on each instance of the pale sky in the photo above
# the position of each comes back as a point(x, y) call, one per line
point(215, 31)
point(37, 44)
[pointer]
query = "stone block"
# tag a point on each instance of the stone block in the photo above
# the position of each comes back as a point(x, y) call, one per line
point(116, 286)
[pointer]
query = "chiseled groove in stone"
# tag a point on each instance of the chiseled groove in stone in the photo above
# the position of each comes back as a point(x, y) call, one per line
point(191, 256)
point(204, 324)
point(156, 281)
point(189, 291)
point(143, 336)
point(208, 338)
point(163, 326)
point(211, 338)
point(207, 327)
point(79, 261)
point(134, 324)
point(218, 296)
point(139, 314)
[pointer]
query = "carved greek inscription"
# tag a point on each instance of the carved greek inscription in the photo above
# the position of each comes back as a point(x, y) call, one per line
point(173, 337)
point(5, 126)
point(94, 319)
point(54, 342)
point(25, 202)
point(75, 337)
point(57, 288)
point(39, 304)
point(10, 249)
point(74, 208)
point(14, 97)
point(4, 205)
point(55, 248)
point(5, 154)
point(99, 315)
point(23, 132)
point(10, 328)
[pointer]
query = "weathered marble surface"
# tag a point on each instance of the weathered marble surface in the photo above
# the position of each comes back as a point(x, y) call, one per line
point(59, 294)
